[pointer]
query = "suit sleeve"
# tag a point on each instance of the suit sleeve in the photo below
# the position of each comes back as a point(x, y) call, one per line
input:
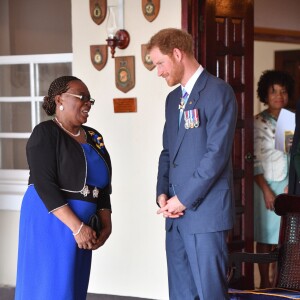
point(221, 114)
point(296, 161)
point(163, 166)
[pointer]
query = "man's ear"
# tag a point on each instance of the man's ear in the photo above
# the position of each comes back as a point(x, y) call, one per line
point(177, 54)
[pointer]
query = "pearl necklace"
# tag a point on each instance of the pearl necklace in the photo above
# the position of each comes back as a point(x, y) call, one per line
point(61, 125)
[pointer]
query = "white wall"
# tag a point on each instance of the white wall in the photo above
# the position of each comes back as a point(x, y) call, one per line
point(133, 260)
point(264, 59)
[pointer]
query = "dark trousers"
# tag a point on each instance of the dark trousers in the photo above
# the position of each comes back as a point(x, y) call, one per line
point(197, 265)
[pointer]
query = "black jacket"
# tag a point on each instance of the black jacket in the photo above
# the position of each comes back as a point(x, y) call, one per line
point(57, 163)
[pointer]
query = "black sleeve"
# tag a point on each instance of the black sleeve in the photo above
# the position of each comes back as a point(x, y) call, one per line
point(41, 156)
point(104, 200)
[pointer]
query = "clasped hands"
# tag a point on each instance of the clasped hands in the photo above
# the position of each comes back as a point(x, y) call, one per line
point(87, 238)
point(170, 207)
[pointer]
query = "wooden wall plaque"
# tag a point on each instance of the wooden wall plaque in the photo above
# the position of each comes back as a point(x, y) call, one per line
point(123, 105)
point(98, 9)
point(124, 73)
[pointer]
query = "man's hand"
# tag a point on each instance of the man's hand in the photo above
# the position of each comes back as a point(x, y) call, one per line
point(172, 208)
point(162, 200)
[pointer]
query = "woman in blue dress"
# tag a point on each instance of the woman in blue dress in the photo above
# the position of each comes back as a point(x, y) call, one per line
point(70, 180)
point(270, 165)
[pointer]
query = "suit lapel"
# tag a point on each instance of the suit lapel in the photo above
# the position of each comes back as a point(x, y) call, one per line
point(174, 113)
point(192, 100)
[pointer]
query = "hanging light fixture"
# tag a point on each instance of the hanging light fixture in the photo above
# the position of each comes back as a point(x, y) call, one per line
point(117, 38)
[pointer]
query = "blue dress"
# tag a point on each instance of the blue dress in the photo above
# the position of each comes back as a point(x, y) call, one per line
point(50, 264)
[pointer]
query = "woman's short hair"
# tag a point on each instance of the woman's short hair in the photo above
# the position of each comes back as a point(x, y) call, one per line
point(57, 87)
point(271, 77)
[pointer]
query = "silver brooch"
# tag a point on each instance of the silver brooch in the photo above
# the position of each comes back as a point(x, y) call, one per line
point(85, 191)
point(95, 192)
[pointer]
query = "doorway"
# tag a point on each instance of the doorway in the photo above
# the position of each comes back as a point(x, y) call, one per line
point(223, 37)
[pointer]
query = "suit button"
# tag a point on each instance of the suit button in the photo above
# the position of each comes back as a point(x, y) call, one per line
point(175, 165)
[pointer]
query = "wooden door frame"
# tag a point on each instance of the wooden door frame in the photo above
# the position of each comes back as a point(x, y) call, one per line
point(276, 35)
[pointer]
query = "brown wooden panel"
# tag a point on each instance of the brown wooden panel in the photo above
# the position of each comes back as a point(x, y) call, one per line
point(276, 35)
point(289, 61)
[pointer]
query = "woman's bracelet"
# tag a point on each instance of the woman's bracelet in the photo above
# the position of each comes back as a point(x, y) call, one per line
point(78, 231)
point(104, 209)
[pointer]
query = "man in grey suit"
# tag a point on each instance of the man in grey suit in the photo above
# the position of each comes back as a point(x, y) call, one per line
point(194, 184)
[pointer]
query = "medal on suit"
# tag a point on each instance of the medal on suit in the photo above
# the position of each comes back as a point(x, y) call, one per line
point(191, 119)
point(186, 120)
point(191, 116)
point(181, 105)
point(196, 116)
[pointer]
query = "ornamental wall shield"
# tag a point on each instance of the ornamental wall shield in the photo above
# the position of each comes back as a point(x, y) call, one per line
point(125, 73)
point(98, 56)
point(98, 9)
point(146, 59)
point(150, 9)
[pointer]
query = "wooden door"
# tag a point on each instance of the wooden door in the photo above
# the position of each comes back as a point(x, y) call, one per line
point(289, 61)
point(223, 36)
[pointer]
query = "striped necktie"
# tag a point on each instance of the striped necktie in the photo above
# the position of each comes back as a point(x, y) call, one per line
point(182, 104)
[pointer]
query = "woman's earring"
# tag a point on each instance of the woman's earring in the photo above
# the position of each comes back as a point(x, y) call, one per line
point(61, 107)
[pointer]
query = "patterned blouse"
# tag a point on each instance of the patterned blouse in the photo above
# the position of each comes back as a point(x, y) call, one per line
point(272, 163)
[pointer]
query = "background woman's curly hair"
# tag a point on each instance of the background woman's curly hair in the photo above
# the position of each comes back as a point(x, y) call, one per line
point(271, 77)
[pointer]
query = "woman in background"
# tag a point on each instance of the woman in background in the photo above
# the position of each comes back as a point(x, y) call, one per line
point(270, 165)
point(70, 180)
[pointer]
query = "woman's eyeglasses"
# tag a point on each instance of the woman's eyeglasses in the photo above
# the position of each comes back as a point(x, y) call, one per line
point(83, 98)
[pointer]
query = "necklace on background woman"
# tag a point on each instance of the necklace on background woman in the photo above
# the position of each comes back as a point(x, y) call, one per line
point(61, 125)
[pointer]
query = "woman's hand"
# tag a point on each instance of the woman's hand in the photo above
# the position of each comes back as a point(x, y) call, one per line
point(105, 218)
point(84, 235)
point(269, 198)
point(86, 238)
point(269, 195)
point(104, 235)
